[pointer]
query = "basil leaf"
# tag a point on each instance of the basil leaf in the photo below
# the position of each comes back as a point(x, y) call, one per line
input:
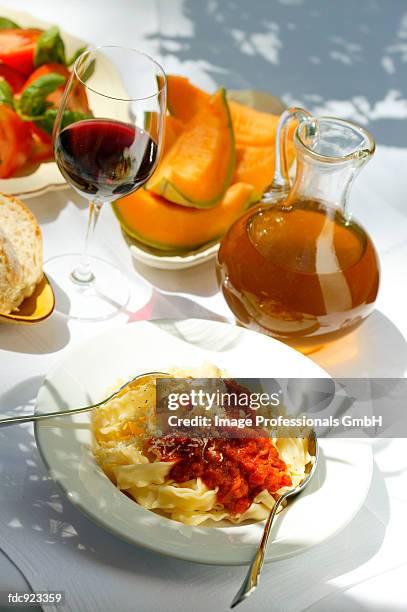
point(33, 100)
point(7, 24)
point(75, 56)
point(50, 48)
point(47, 120)
point(6, 93)
point(46, 123)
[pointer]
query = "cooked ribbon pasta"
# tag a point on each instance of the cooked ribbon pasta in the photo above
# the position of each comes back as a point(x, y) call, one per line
point(120, 429)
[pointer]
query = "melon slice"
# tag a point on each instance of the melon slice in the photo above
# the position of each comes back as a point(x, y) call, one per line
point(251, 127)
point(255, 165)
point(173, 129)
point(184, 100)
point(199, 167)
point(158, 223)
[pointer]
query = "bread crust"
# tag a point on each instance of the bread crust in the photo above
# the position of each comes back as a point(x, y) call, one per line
point(20, 254)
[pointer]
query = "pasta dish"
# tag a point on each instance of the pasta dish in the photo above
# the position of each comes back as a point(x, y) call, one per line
point(192, 480)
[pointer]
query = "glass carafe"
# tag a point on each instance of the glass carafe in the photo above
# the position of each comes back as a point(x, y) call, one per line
point(297, 266)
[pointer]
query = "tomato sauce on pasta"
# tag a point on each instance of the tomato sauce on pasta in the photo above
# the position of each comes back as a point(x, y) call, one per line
point(239, 468)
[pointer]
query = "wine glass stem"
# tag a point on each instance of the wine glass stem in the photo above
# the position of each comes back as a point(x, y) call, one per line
point(83, 274)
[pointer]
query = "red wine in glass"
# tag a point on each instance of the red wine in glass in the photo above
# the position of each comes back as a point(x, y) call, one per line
point(105, 155)
point(104, 158)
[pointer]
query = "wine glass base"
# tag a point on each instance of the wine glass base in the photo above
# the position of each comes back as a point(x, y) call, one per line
point(103, 297)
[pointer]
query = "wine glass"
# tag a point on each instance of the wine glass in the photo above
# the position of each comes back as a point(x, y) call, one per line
point(107, 139)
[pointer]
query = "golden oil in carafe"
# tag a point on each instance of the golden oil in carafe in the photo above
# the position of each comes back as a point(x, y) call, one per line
point(298, 271)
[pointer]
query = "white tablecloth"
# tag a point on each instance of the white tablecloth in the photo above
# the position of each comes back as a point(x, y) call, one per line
point(52, 543)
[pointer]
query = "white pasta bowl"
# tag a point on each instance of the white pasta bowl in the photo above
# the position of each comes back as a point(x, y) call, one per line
point(85, 373)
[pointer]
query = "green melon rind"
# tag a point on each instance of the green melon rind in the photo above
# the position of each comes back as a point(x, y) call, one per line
point(174, 250)
point(146, 241)
point(167, 190)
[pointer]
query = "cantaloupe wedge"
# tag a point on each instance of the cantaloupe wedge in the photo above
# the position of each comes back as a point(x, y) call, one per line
point(251, 127)
point(199, 166)
point(184, 100)
point(172, 130)
point(158, 223)
point(255, 165)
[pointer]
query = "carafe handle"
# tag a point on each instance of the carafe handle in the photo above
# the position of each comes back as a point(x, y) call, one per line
point(281, 184)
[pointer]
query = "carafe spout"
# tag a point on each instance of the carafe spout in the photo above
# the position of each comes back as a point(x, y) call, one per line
point(330, 152)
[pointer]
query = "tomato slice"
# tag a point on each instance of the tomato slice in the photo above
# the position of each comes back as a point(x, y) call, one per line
point(15, 141)
point(47, 69)
point(41, 151)
point(78, 100)
point(17, 48)
point(14, 78)
point(39, 134)
point(55, 97)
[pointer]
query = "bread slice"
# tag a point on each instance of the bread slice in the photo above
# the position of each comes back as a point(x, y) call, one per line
point(20, 253)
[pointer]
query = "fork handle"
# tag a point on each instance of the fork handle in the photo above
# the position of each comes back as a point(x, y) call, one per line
point(51, 415)
point(41, 417)
point(252, 579)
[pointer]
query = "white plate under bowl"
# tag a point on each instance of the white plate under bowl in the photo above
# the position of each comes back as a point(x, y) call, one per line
point(173, 262)
point(84, 374)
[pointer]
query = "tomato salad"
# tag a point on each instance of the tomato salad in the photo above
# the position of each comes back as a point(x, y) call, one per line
point(34, 70)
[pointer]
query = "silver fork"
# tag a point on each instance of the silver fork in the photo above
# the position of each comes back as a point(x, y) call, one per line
point(252, 579)
point(69, 412)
